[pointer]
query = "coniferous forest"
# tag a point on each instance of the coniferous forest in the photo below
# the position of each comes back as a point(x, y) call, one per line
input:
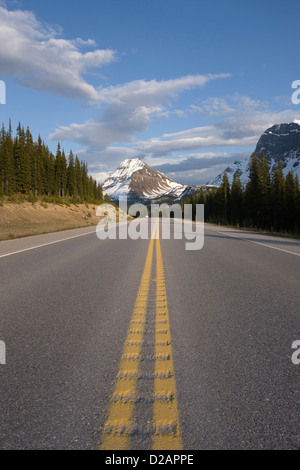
point(269, 201)
point(29, 168)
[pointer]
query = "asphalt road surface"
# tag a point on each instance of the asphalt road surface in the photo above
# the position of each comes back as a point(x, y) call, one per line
point(141, 344)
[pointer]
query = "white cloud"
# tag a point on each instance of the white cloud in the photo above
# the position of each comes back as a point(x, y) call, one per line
point(116, 124)
point(192, 139)
point(243, 129)
point(163, 160)
point(213, 107)
point(219, 106)
point(188, 155)
point(129, 109)
point(142, 92)
point(200, 168)
point(41, 60)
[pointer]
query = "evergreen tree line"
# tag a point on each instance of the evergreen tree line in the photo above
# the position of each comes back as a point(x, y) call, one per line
point(29, 167)
point(269, 201)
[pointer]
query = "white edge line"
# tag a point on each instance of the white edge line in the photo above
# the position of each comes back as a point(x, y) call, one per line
point(256, 243)
point(55, 241)
point(45, 244)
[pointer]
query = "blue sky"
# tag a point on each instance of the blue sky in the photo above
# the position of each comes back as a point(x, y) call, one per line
point(187, 85)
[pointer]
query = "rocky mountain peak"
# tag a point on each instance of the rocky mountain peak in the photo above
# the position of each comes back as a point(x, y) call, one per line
point(279, 142)
point(139, 182)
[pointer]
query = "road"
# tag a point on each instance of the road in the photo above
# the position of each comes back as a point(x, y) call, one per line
point(141, 344)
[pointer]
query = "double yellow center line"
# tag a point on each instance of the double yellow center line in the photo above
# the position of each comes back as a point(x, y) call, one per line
point(165, 429)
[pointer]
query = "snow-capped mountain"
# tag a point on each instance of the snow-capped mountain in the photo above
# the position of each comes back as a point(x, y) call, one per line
point(139, 182)
point(280, 142)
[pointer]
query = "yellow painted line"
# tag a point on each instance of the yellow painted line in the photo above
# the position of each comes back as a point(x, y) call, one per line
point(117, 429)
point(167, 434)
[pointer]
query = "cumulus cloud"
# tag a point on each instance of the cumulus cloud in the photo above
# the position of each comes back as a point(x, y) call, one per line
point(203, 146)
point(129, 109)
point(192, 139)
point(42, 60)
point(243, 129)
point(220, 106)
point(199, 169)
point(142, 92)
point(117, 124)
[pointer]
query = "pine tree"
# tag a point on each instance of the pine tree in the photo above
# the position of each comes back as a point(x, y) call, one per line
point(253, 192)
point(237, 201)
point(64, 175)
point(71, 176)
point(38, 168)
point(22, 162)
point(278, 197)
point(99, 192)
point(225, 187)
point(291, 195)
point(264, 191)
point(27, 166)
point(209, 205)
point(58, 164)
point(78, 178)
point(84, 177)
point(7, 170)
point(50, 185)
point(201, 197)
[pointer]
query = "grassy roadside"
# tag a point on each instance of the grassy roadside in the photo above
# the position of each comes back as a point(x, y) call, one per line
point(25, 219)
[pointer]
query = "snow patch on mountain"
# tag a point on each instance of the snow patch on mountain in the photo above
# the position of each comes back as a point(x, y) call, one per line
point(138, 181)
point(280, 142)
point(118, 183)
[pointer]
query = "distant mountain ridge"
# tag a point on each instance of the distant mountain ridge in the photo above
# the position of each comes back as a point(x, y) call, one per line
point(140, 183)
point(279, 142)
